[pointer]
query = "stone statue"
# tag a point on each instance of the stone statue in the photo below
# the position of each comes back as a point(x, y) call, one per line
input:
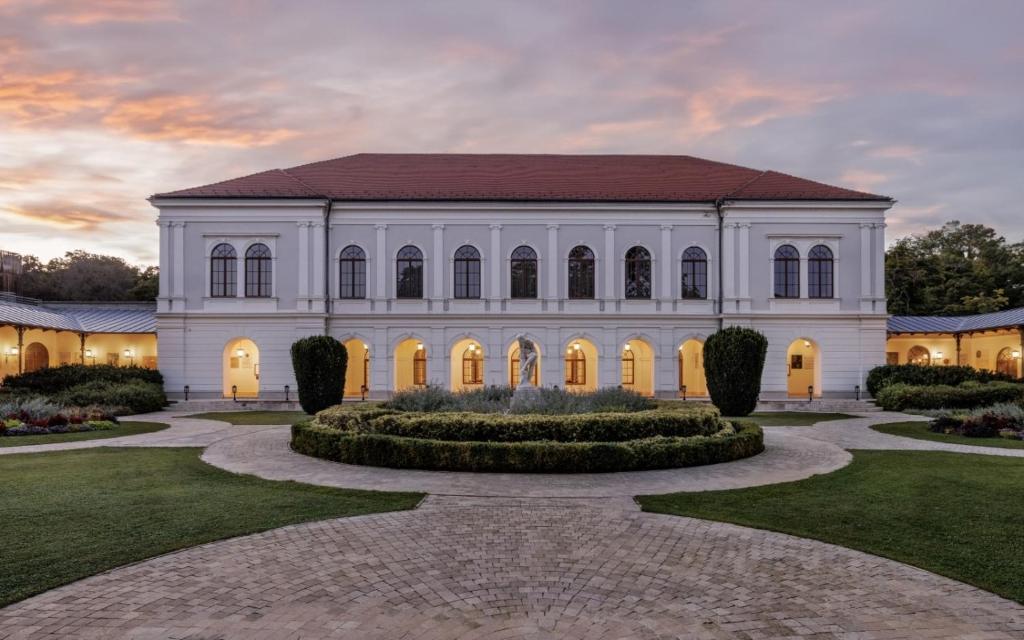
point(527, 361)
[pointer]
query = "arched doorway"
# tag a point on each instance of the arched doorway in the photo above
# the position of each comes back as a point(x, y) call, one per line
point(919, 355)
point(357, 376)
point(241, 369)
point(1006, 363)
point(580, 365)
point(410, 364)
point(37, 356)
point(692, 382)
point(638, 367)
point(467, 365)
point(513, 366)
point(803, 368)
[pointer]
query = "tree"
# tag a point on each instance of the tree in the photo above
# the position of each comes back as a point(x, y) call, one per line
point(83, 276)
point(956, 269)
point(320, 364)
point(733, 362)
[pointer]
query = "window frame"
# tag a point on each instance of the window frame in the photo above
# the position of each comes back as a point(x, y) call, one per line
point(466, 273)
point(790, 271)
point(820, 267)
point(419, 367)
point(628, 375)
point(638, 259)
point(259, 271)
point(581, 274)
point(523, 286)
point(409, 286)
point(356, 287)
point(474, 358)
point(227, 267)
point(694, 263)
point(575, 368)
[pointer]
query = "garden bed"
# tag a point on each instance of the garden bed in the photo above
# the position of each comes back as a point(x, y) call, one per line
point(634, 437)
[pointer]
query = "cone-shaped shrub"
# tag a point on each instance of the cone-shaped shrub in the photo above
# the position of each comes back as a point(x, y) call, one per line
point(320, 363)
point(733, 361)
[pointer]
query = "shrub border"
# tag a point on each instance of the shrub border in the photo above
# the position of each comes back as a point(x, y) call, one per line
point(526, 457)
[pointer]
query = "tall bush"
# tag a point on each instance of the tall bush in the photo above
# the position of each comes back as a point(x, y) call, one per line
point(733, 362)
point(917, 374)
point(320, 363)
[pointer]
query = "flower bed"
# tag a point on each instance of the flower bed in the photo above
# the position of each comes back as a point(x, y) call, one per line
point(37, 416)
point(530, 443)
point(1004, 420)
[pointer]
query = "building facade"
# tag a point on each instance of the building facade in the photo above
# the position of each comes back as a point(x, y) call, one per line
point(427, 267)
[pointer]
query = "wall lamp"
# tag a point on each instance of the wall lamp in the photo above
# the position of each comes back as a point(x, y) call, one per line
point(240, 352)
point(626, 347)
point(12, 352)
point(89, 353)
point(419, 346)
point(128, 353)
point(1015, 354)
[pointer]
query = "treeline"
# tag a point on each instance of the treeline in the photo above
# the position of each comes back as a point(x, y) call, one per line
point(87, 277)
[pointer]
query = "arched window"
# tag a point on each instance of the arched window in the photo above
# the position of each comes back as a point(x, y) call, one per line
point(472, 365)
point(819, 272)
point(638, 274)
point(1006, 363)
point(409, 273)
point(575, 366)
point(258, 272)
point(353, 273)
point(419, 367)
point(467, 272)
point(581, 273)
point(695, 274)
point(524, 272)
point(787, 272)
point(513, 369)
point(919, 355)
point(628, 367)
point(223, 271)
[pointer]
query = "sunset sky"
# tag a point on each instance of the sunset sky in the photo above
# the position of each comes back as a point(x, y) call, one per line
point(104, 102)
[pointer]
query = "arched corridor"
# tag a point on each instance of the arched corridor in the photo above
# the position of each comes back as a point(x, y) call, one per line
point(467, 365)
point(580, 365)
point(241, 369)
point(692, 383)
point(637, 367)
point(357, 376)
point(410, 364)
point(803, 362)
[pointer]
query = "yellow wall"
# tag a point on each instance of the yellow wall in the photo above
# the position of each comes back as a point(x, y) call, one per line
point(590, 353)
point(354, 375)
point(978, 350)
point(810, 372)
point(643, 367)
point(692, 354)
point(241, 371)
point(64, 347)
point(404, 354)
point(458, 350)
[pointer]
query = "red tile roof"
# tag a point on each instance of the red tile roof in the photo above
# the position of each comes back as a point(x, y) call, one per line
point(507, 177)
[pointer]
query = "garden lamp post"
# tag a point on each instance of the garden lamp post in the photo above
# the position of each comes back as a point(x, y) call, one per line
point(810, 393)
point(234, 392)
point(682, 388)
point(186, 393)
point(287, 388)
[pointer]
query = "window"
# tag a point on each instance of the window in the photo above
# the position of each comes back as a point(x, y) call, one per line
point(638, 274)
point(575, 366)
point(223, 271)
point(258, 272)
point(819, 272)
point(409, 272)
point(1006, 363)
point(695, 274)
point(919, 355)
point(472, 365)
point(787, 272)
point(628, 368)
point(581, 273)
point(419, 367)
point(467, 272)
point(892, 357)
point(353, 273)
point(513, 370)
point(524, 272)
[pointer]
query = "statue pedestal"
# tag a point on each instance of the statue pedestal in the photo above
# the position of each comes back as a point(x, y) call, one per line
point(523, 397)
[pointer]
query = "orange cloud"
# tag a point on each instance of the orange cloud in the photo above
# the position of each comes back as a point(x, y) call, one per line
point(30, 98)
point(189, 119)
point(65, 215)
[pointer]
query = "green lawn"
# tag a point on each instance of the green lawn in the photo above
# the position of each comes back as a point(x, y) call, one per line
point(70, 514)
point(792, 418)
point(253, 417)
point(919, 430)
point(955, 514)
point(123, 429)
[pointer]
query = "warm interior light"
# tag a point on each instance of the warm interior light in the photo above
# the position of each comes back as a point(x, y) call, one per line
point(366, 346)
point(240, 353)
point(1015, 353)
point(419, 346)
point(576, 346)
point(626, 347)
point(807, 344)
point(938, 355)
point(127, 353)
point(13, 351)
point(88, 353)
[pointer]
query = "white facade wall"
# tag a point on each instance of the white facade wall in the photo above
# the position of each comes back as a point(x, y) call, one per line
point(195, 329)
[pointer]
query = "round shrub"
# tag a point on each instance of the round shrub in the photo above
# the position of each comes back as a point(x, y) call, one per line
point(320, 363)
point(733, 362)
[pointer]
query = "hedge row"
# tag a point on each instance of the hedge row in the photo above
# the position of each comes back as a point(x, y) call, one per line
point(134, 396)
point(371, 449)
point(899, 397)
point(916, 374)
point(50, 380)
point(596, 427)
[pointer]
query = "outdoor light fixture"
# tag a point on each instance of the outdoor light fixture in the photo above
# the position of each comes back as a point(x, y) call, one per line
point(682, 388)
point(472, 347)
point(186, 393)
point(240, 352)
point(856, 390)
point(12, 352)
point(234, 392)
point(366, 346)
point(810, 393)
point(938, 355)
point(419, 346)
point(128, 353)
point(807, 344)
point(1015, 353)
point(576, 346)
point(626, 347)
point(287, 389)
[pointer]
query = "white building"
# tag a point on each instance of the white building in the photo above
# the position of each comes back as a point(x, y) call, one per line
point(428, 266)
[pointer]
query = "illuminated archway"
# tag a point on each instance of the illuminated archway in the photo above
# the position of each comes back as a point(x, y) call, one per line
point(37, 356)
point(467, 365)
point(357, 375)
point(691, 369)
point(637, 367)
point(241, 368)
point(803, 362)
point(919, 355)
point(410, 364)
point(580, 365)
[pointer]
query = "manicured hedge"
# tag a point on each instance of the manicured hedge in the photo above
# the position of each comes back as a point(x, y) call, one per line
point(526, 457)
point(54, 379)
point(733, 362)
point(899, 397)
point(594, 427)
point(916, 374)
point(135, 396)
point(320, 364)
point(350, 416)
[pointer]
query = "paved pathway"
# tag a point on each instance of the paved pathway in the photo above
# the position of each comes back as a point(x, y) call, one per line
point(535, 566)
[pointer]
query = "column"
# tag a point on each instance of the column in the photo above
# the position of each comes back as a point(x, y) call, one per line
point(437, 288)
point(609, 262)
point(165, 258)
point(865, 260)
point(667, 258)
point(744, 259)
point(303, 296)
point(319, 260)
point(178, 282)
point(803, 275)
point(728, 261)
point(879, 260)
point(495, 264)
point(380, 273)
point(553, 262)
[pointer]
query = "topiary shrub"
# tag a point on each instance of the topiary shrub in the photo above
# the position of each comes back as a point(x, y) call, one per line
point(733, 362)
point(320, 363)
point(917, 374)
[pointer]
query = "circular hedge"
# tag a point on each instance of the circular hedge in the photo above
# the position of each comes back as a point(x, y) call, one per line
point(576, 443)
